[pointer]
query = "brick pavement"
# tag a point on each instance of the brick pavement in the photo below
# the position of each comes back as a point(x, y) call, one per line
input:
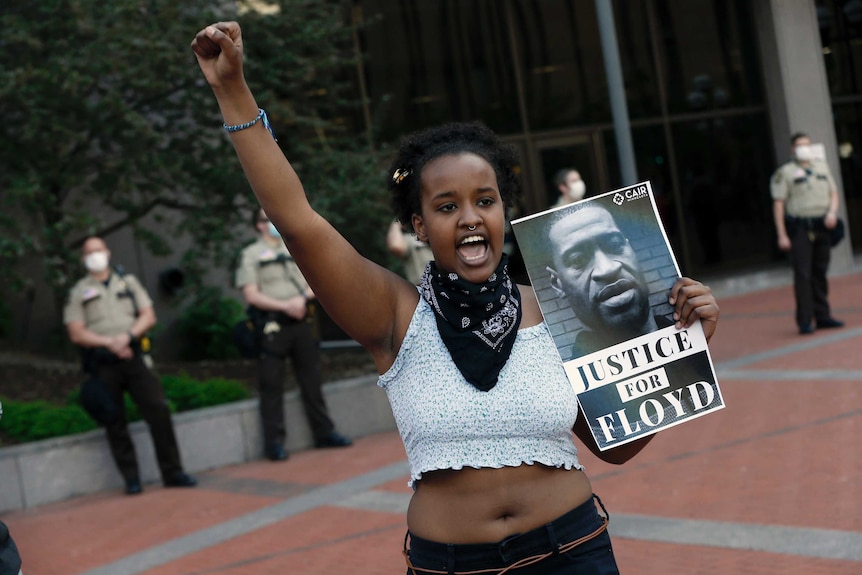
point(770, 484)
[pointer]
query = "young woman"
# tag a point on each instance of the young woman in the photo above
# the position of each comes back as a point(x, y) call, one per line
point(475, 382)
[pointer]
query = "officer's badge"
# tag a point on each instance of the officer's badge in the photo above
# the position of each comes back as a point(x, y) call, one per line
point(266, 256)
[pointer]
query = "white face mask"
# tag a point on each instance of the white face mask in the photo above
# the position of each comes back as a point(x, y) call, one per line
point(810, 153)
point(803, 153)
point(96, 261)
point(577, 190)
point(272, 231)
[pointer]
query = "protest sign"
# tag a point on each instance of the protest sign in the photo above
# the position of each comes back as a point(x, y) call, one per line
point(602, 269)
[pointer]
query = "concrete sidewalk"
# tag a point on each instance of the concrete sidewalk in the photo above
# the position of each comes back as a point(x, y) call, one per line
point(770, 484)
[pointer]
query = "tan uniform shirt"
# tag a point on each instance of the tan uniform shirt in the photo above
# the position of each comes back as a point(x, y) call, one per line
point(806, 193)
point(272, 269)
point(418, 255)
point(106, 309)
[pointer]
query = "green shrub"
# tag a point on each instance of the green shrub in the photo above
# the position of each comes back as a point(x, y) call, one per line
point(188, 393)
point(206, 324)
point(26, 421)
point(35, 420)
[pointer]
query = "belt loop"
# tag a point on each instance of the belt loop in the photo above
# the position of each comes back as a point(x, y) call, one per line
point(602, 505)
point(552, 537)
point(450, 558)
point(503, 547)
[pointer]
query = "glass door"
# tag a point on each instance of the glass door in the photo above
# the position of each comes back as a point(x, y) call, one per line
point(583, 152)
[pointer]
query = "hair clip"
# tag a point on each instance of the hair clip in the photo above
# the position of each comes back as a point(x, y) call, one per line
point(399, 175)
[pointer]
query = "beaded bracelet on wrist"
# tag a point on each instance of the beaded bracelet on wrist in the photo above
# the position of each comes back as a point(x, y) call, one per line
point(261, 117)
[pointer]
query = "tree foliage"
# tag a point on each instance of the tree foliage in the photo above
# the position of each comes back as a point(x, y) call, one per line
point(108, 124)
point(312, 98)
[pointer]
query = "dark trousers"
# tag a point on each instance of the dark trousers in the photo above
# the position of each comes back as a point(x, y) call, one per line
point(573, 543)
point(810, 252)
point(146, 391)
point(294, 340)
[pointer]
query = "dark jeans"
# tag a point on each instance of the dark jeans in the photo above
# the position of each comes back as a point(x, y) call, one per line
point(146, 391)
point(294, 340)
point(810, 252)
point(592, 557)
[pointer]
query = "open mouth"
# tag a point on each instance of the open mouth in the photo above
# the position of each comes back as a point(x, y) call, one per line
point(472, 248)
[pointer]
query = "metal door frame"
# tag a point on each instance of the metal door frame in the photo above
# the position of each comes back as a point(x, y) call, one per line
point(536, 180)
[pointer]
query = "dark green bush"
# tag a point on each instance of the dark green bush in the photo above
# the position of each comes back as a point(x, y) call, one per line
point(34, 420)
point(187, 393)
point(206, 324)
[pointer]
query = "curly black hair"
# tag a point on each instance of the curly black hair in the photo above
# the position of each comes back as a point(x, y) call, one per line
point(419, 148)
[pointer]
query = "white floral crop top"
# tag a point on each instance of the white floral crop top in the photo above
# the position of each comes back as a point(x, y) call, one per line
point(446, 423)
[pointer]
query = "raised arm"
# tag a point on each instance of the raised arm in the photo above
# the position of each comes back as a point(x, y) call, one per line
point(370, 303)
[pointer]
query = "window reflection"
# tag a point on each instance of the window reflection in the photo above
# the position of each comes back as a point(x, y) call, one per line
point(651, 152)
point(841, 34)
point(720, 215)
point(724, 169)
point(693, 87)
point(848, 127)
point(436, 61)
point(708, 53)
point(637, 59)
point(561, 62)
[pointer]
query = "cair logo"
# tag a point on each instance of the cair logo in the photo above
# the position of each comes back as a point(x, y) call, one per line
point(636, 192)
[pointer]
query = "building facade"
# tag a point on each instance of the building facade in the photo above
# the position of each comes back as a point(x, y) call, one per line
point(714, 89)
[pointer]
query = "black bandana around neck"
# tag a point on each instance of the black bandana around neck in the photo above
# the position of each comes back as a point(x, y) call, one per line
point(478, 322)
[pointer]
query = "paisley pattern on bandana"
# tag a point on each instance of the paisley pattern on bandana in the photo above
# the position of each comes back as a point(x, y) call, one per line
point(478, 322)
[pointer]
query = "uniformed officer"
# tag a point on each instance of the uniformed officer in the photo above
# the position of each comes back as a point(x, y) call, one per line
point(107, 315)
point(414, 254)
point(805, 209)
point(278, 296)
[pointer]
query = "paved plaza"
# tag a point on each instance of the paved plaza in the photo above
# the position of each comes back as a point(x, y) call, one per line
point(770, 484)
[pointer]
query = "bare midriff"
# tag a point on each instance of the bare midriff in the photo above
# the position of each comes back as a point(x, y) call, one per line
point(488, 505)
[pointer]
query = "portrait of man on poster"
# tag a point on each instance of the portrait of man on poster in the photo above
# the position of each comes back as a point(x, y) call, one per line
point(602, 272)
